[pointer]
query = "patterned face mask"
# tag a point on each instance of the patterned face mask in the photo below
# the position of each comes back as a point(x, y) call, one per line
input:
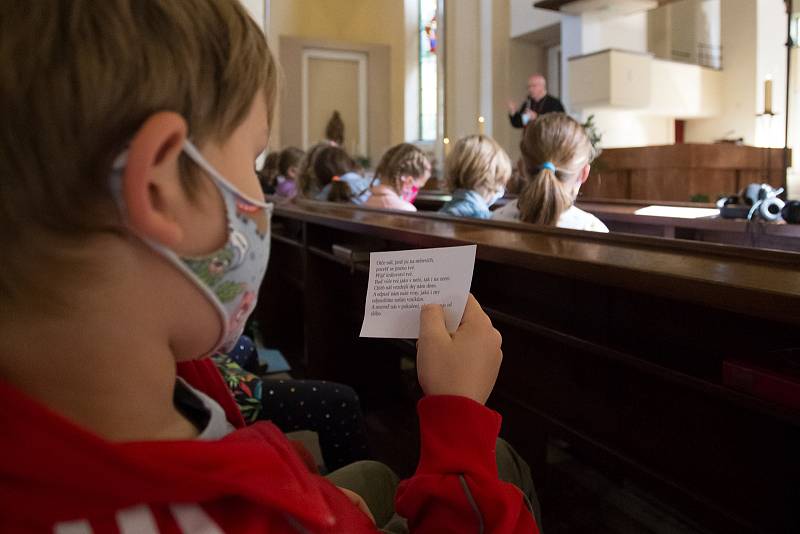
point(230, 276)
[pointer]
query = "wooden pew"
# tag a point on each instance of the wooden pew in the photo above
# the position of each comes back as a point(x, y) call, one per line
point(682, 171)
point(613, 344)
point(620, 217)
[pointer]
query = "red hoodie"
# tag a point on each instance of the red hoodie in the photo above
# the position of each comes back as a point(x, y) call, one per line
point(57, 477)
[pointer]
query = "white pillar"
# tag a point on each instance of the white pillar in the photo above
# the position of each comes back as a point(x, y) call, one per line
point(486, 72)
point(571, 46)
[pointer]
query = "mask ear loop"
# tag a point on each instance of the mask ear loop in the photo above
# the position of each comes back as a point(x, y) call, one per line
point(198, 158)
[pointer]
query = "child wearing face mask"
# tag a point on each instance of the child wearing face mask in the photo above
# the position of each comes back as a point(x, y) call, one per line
point(139, 244)
point(556, 159)
point(402, 172)
point(477, 170)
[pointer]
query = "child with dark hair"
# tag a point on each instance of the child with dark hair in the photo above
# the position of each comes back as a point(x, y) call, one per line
point(307, 183)
point(268, 174)
point(338, 175)
point(288, 169)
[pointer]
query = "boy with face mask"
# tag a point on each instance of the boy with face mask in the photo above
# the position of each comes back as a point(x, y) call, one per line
point(139, 238)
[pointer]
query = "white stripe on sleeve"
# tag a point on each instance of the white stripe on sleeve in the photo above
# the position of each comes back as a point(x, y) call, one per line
point(192, 519)
point(137, 520)
point(80, 526)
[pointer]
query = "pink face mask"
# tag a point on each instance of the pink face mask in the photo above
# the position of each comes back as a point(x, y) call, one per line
point(409, 195)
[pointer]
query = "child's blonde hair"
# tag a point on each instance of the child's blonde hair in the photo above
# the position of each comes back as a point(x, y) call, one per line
point(79, 79)
point(401, 160)
point(478, 163)
point(560, 140)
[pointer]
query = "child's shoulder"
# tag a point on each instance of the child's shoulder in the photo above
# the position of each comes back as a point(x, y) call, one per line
point(577, 219)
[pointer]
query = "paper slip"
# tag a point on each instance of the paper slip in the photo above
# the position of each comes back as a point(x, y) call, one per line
point(400, 283)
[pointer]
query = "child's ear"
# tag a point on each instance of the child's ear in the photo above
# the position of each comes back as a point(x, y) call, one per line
point(151, 184)
point(585, 173)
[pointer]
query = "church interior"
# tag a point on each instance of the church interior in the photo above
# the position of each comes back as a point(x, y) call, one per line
point(627, 173)
point(650, 374)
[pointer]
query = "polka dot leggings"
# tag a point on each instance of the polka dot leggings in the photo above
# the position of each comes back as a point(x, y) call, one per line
point(330, 409)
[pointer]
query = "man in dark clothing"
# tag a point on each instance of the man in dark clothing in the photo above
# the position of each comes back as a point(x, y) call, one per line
point(537, 103)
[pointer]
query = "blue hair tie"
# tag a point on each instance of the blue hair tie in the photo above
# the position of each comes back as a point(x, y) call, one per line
point(547, 165)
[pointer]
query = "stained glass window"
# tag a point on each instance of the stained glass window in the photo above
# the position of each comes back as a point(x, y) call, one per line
point(428, 69)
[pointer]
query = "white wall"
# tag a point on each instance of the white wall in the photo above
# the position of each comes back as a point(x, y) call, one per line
point(525, 18)
point(625, 33)
point(582, 35)
point(258, 9)
point(629, 128)
point(771, 61)
point(753, 44)
point(682, 90)
point(739, 72)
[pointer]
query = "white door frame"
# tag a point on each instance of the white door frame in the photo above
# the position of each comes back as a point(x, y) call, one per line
point(361, 59)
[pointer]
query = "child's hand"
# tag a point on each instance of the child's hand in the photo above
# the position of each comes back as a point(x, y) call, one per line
point(465, 363)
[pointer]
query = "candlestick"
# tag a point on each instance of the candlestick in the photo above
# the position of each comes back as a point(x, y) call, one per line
point(481, 125)
point(768, 96)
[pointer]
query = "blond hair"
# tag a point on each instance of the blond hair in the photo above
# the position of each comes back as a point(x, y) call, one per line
point(401, 160)
point(560, 140)
point(79, 79)
point(478, 163)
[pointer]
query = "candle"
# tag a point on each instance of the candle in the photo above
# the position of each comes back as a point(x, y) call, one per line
point(768, 96)
point(446, 143)
point(481, 125)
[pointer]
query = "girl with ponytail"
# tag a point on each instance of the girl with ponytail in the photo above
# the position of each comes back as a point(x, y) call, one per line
point(337, 174)
point(556, 158)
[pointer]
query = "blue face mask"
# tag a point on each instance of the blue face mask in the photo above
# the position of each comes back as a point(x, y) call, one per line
point(230, 276)
point(500, 193)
